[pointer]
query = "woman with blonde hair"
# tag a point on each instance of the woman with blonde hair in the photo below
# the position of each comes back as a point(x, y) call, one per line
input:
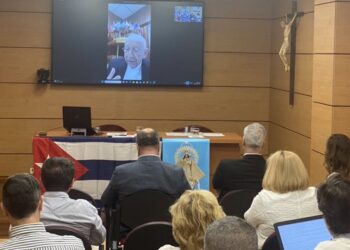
point(192, 213)
point(286, 195)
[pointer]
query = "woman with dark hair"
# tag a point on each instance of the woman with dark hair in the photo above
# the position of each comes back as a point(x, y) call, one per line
point(337, 156)
point(333, 201)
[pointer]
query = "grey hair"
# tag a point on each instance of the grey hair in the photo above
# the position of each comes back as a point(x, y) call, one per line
point(229, 233)
point(254, 135)
point(137, 38)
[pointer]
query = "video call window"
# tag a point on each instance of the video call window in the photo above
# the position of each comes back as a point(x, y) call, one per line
point(128, 41)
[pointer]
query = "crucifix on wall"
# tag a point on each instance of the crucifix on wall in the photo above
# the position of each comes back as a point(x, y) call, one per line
point(289, 40)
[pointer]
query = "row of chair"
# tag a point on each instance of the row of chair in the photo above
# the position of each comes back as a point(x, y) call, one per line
point(151, 224)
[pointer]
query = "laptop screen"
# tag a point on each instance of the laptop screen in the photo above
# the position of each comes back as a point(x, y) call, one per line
point(77, 117)
point(302, 234)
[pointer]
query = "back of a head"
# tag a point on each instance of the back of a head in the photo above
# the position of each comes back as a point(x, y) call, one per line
point(333, 198)
point(337, 156)
point(229, 233)
point(57, 174)
point(21, 195)
point(192, 213)
point(147, 137)
point(254, 135)
point(285, 173)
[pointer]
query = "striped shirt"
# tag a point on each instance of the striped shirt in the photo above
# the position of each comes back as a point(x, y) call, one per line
point(34, 236)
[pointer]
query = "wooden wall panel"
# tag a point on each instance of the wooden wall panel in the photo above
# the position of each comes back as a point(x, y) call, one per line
point(317, 170)
point(305, 34)
point(237, 35)
point(284, 139)
point(33, 101)
point(26, 5)
point(296, 118)
point(342, 27)
point(341, 120)
point(15, 163)
point(341, 83)
point(238, 9)
point(303, 77)
point(321, 128)
point(21, 64)
point(235, 69)
point(323, 74)
point(323, 28)
point(280, 8)
point(25, 29)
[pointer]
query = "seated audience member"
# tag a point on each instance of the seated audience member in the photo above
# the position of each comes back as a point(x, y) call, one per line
point(57, 177)
point(337, 156)
point(286, 195)
point(245, 173)
point(22, 203)
point(333, 198)
point(192, 213)
point(148, 172)
point(230, 233)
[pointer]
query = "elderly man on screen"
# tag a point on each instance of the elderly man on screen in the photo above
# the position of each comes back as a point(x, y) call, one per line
point(134, 65)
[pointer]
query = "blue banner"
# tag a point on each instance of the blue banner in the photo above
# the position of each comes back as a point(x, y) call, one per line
point(193, 156)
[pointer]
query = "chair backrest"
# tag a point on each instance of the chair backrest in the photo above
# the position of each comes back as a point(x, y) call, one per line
point(271, 243)
point(78, 194)
point(145, 206)
point(69, 230)
point(201, 129)
point(111, 127)
point(150, 236)
point(237, 202)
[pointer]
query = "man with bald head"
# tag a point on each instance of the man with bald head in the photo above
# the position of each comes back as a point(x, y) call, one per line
point(148, 172)
point(247, 172)
point(134, 65)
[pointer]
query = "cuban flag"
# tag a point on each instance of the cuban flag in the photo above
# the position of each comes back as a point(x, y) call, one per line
point(94, 158)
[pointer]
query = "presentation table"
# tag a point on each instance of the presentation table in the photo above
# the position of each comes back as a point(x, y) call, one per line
point(95, 157)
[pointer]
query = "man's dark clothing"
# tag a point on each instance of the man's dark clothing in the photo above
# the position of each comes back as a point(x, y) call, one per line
point(245, 173)
point(120, 67)
point(148, 172)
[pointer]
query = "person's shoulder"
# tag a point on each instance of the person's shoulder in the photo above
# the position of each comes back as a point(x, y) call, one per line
point(168, 247)
point(67, 239)
point(126, 167)
point(84, 205)
point(326, 245)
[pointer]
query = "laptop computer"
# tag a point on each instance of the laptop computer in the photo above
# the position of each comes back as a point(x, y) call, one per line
point(78, 119)
point(302, 234)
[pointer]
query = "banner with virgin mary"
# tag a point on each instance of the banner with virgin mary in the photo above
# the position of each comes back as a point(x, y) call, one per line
point(193, 156)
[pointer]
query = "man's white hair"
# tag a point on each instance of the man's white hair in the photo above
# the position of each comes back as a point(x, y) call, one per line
point(137, 38)
point(254, 135)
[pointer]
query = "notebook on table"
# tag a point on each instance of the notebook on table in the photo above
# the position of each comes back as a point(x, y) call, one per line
point(302, 234)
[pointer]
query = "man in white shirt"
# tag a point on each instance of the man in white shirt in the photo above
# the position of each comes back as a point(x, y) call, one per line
point(22, 203)
point(57, 177)
point(333, 198)
point(134, 65)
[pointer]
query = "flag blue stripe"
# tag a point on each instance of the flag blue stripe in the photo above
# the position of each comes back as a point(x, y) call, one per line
point(100, 169)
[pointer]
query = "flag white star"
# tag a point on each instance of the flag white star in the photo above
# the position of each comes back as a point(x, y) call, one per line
point(40, 164)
